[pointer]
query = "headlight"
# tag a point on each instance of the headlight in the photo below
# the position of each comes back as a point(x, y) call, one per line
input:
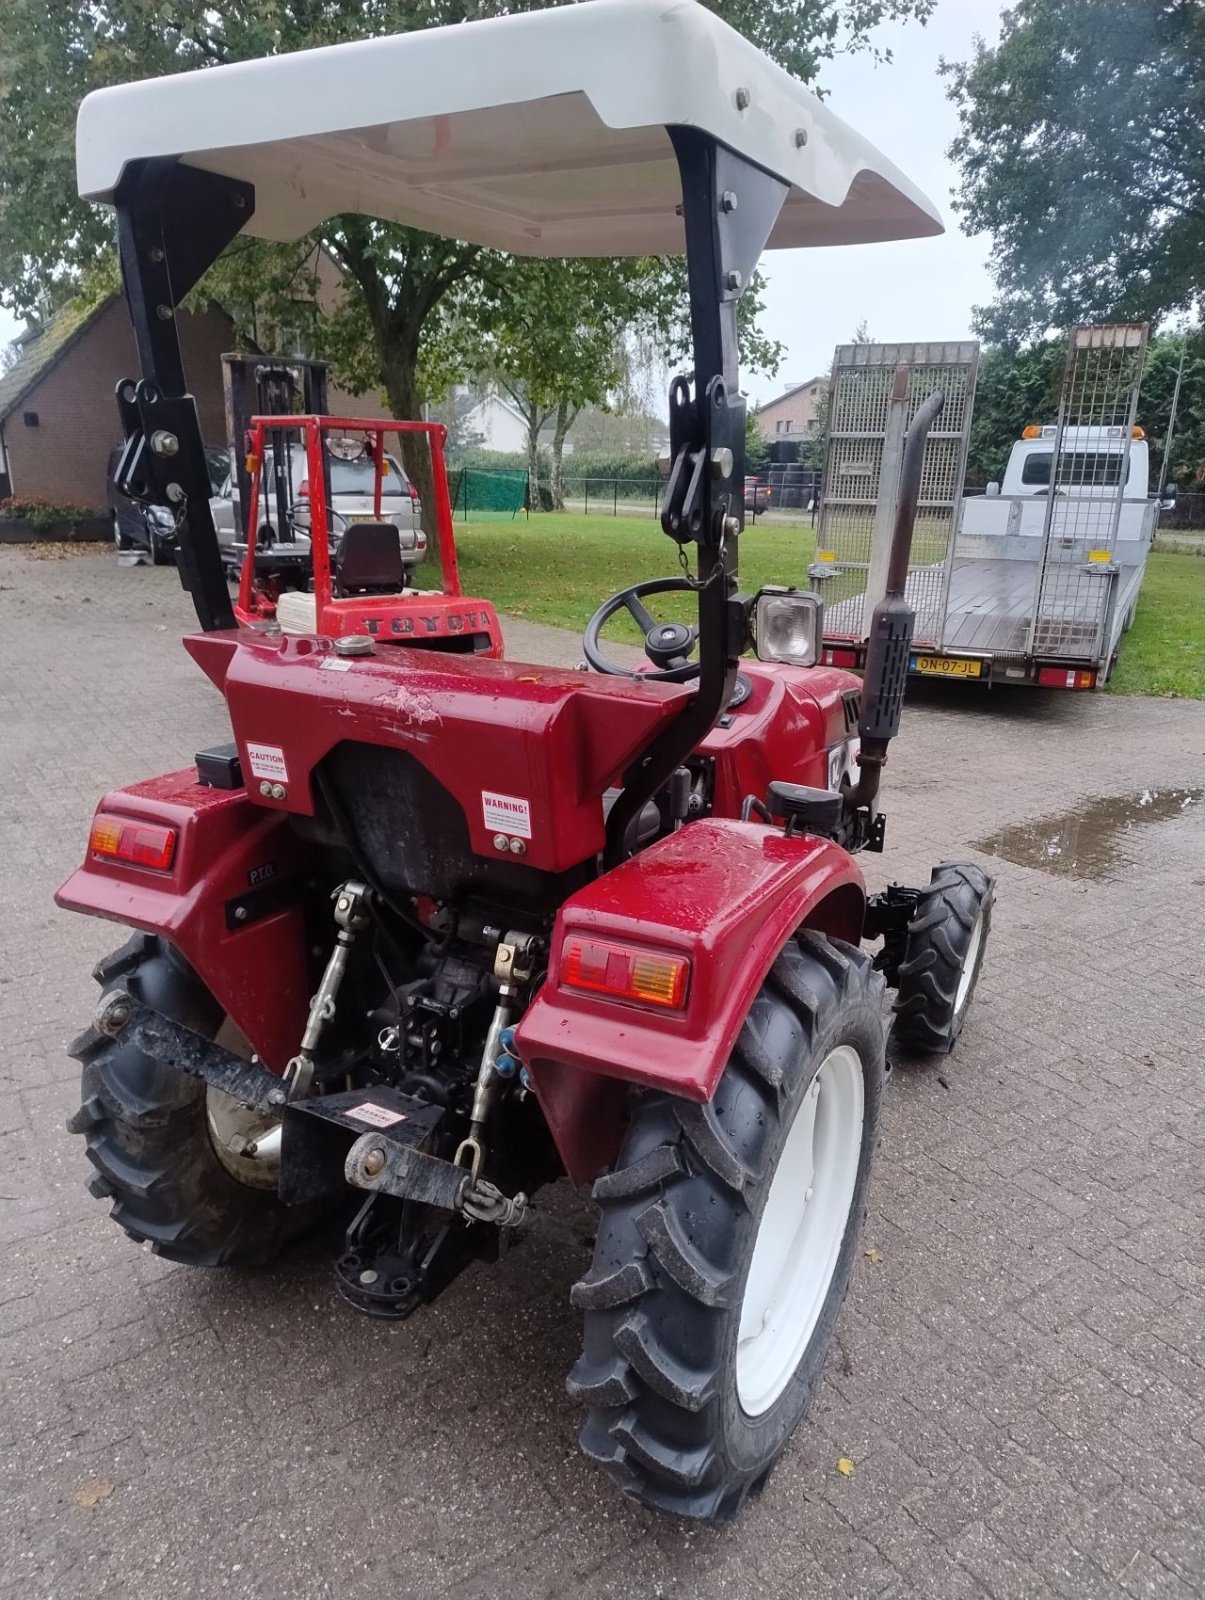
point(787, 626)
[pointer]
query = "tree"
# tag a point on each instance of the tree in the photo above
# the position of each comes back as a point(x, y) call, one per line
point(551, 335)
point(52, 52)
point(1083, 153)
point(1014, 388)
point(1018, 387)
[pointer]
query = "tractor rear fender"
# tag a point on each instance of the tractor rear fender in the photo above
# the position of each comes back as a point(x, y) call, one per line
point(726, 895)
point(230, 902)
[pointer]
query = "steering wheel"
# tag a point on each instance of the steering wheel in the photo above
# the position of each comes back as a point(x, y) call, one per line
point(668, 645)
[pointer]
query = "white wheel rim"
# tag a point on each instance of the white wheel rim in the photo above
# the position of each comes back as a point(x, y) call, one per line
point(801, 1231)
point(233, 1127)
point(967, 974)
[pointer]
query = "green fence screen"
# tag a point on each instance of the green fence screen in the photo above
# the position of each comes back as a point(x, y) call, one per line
point(496, 491)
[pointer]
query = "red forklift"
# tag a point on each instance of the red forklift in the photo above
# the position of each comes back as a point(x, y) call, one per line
point(435, 929)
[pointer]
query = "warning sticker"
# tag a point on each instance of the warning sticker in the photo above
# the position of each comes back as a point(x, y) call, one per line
point(375, 1116)
point(506, 813)
point(335, 664)
point(267, 761)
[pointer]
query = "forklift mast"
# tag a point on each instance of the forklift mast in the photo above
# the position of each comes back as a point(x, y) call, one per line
point(270, 386)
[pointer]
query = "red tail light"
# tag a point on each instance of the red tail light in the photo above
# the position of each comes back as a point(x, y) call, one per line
point(625, 973)
point(140, 844)
point(839, 658)
point(1066, 678)
point(303, 492)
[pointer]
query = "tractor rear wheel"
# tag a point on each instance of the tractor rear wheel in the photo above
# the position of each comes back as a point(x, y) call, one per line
point(943, 956)
point(159, 1138)
point(726, 1242)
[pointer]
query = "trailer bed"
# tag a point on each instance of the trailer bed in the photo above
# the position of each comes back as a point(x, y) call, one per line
point(989, 611)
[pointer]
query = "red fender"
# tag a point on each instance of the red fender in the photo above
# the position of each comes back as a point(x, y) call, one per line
point(725, 894)
point(230, 902)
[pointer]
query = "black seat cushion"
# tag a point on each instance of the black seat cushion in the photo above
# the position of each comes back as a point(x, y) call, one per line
point(369, 559)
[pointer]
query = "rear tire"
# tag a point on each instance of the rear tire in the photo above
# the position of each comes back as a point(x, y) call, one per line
point(149, 1136)
point(705, 1331)
point(943, 957)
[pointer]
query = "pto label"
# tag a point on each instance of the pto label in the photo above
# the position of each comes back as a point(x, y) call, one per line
point(506, 813)
point(268, 761)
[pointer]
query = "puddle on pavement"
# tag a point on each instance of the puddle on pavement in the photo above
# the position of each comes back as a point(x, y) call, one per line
point(1088, 842)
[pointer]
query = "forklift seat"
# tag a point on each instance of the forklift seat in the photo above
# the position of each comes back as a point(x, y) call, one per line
point(369, 559)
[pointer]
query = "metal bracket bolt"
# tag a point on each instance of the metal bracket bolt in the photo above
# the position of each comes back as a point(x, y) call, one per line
point(112, 1013)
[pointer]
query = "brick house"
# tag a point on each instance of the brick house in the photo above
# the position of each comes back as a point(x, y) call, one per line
point(58, 417)
point(794, 414)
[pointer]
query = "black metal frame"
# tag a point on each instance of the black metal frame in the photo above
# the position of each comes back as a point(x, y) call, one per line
point(729, 207)
point(173, 222)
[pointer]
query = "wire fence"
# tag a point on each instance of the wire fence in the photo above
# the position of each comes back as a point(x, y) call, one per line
point(1188, 514)
point(634, 497)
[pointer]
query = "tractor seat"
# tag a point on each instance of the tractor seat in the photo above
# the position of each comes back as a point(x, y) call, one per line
point(369, 559)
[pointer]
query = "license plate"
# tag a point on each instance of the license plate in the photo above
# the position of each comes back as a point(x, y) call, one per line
point(947, 666)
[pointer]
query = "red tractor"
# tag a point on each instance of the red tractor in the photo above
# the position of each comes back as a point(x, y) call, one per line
point(436, 929)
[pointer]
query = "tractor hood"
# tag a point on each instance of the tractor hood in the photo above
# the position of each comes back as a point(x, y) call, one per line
point(542, 134)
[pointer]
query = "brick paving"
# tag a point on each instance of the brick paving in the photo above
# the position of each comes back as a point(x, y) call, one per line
point(1019, 1380)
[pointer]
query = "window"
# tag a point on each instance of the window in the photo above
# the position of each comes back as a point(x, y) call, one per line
point(786, 427)
point(778, 427)
point(1078, 469)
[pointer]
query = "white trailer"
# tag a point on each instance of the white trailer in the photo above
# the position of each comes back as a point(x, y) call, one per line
point(1041, 575)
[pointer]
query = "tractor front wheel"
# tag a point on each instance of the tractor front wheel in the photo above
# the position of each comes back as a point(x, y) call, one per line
point(162, 1143)
point(943, 955)
point(726, 1242)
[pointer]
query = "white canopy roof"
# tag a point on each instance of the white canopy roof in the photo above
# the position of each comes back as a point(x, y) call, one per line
point(541, 133)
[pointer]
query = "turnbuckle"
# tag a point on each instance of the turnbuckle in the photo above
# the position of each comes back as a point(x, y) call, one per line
point(353, 903)
point(513, 966)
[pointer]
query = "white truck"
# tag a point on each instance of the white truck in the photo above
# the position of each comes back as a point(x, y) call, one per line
point(1044, 578)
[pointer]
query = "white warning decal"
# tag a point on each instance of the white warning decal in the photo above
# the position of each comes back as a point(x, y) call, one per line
point(267, 761)
point(375, 1116)
point(506, 813)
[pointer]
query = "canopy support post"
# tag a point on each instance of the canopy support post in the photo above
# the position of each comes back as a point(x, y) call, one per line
point(729, 207)
point(173, 222)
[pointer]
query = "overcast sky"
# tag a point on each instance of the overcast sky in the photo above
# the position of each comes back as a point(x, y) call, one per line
point(920, 289)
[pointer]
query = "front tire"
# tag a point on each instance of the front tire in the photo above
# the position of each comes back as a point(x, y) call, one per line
point(943, 957)
point(727, 1239)
point(151, 1132)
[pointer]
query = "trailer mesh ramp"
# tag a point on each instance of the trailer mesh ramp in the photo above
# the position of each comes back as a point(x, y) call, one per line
point(876, 390)
point(1087, 476)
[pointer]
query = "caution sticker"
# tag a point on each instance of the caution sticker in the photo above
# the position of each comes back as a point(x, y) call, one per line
point(506, 813)
point(267, 761)
point(374, 1116)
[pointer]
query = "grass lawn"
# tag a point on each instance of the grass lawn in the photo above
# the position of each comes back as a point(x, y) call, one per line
point(1164, 652)
point(558, 569)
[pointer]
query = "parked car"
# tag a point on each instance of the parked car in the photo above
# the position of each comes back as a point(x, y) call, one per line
point(351, 500)
point(152, 529)
point(757, 495)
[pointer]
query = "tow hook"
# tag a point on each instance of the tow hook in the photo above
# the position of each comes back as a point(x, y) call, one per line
point(411, 1174)
point(353, 903)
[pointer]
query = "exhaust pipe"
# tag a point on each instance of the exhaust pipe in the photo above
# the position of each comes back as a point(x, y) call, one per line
point(890, 641)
